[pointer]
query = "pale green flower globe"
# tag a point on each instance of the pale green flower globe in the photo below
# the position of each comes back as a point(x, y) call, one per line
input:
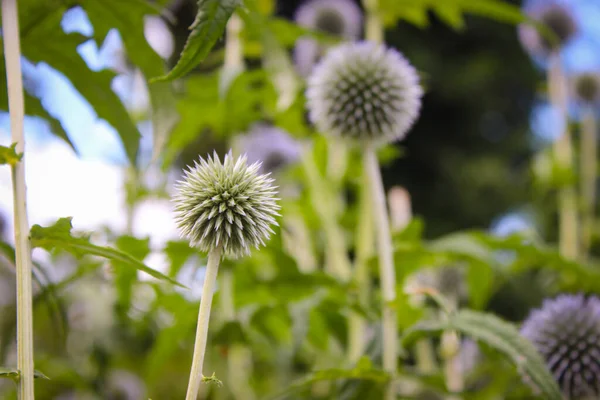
point(364, 92)
point(228, 205)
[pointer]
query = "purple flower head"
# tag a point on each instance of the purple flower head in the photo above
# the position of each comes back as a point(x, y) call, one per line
point(341, 18)
point(364, 92)
point(566, 332)
point(270, 146)
point(557, 17)
point(585, 87)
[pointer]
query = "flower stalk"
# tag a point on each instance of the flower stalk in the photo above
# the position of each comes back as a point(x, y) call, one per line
point(12, 55)
point(563, 151)
point(387, 272)
point(588, 156)
point(210, 280)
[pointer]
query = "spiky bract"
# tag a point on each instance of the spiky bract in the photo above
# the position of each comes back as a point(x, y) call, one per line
point(227, 204)
point(341, 18)
point(271, 146)
point(586, 88)
point(566, 331)
point(557, 17)
point(364, 92)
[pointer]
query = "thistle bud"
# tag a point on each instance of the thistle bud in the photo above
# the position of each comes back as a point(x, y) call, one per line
point(557, 18)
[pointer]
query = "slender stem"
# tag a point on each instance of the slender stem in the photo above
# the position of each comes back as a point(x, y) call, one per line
point(210, 280)
point(387, 272)
point(322, 199)
point(12, 56)
point(357, 340)
point(563, 150)
point(373, 25)
point(588, 156)
point(337, 159)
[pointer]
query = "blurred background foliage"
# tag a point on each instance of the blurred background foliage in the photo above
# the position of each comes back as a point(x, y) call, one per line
point(105, 331)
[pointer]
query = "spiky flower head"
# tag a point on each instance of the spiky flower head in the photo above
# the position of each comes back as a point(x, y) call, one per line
point(342, 18)
point(586, 88)
point(271, 146)
point(227, 204)
point(557, 17)
point(566, 332)
point(364, 92)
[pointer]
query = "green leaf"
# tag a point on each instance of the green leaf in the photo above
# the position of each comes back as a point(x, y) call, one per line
point(501, 336)
point(178, 252)
point(12, 373)
point(125, 278)
point(59, 236)
point(45, 41)
point(127, 16)
point(207, 28)
point(232, 332)
point(8, 155)
point(363, 371)
point(9, 373)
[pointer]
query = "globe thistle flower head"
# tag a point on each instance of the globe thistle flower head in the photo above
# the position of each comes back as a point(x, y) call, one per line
point(335, 17)
point(227, 204)
point(586, 88)
point(557, 17)
point(364, 92)
point(566, 332)
point(342, 18)
point(271, 146)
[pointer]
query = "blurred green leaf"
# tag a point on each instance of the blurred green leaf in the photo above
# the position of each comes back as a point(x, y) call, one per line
point(363, 371)
point(125, 277)
point(45, 41)
point(127, 16)
point(8, 155)
point(499, 335)
point(230, 333)
point(59, 236)
point(178, 252)
point(207, 28)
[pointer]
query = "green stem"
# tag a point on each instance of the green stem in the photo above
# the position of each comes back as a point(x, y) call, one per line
point(373, 25)
point(210, 280)
point(588, 156)
point(364, 250)
point(387, 273)
point(12, 56)
point(337, 159)
point(338, 265)
point(563, 151)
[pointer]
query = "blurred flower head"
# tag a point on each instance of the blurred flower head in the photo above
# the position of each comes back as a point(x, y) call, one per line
point(566, 332)
point(364, 92)
point(271, 146)
point(229, 205)
point(586, 88)
point(341, 18)
point(557, 17)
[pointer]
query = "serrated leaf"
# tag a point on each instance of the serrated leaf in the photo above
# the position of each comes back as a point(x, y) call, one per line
point(178, 252)
point(59, 236)
point(127, 16)
point(207, 28)
point(125, 278)
point(45, 41)
point(8, 155)
point(499, 335)
point(451, 15)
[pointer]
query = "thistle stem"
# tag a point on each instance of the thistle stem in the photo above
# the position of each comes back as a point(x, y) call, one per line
point(373, 25)
point(338, 265)
point(563, 151)
point(387, 272)
point(210, 280)
point(12, 56)
point(588, 156)
point(357, 340)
